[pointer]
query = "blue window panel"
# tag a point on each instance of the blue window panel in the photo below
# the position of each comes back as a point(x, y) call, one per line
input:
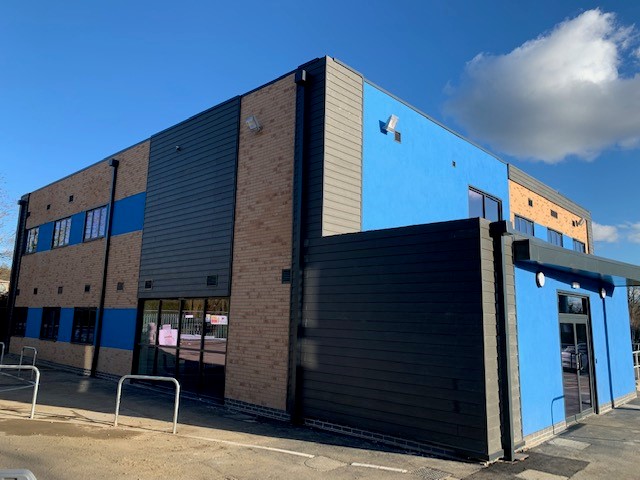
point(128, 214)
point(416, 181)
point(523, 225)
point(34, 321)
point(45, 237)
point(118, 328)
point(66, 324)
point(77, 229)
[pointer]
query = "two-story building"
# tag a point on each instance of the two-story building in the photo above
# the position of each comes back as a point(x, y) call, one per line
point(317, 250)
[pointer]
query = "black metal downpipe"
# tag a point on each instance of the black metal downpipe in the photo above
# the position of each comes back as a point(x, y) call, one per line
point(15, 265)
point(113, 163)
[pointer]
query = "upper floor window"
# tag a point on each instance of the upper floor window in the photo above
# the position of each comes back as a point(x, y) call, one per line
point(578, 246)
point(484, 205)
point(95, 224)
point(50, 323)
point(523, 225)
point(32, 240)
point(61, 232)
point(553, 237)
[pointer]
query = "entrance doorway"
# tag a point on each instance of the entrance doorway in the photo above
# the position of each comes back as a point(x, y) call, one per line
point(576, 356)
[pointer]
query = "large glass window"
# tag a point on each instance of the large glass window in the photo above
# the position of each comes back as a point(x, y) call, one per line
point(484, 206)
point(61, 232)
point(186, 339)
point(84, 324)
point(553, 237)
point(578, 246)
point(523, 225)
point(32, 240)
point(50, 323)
point(95, 223)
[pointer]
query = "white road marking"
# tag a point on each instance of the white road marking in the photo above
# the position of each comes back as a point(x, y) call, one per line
point(379, 467)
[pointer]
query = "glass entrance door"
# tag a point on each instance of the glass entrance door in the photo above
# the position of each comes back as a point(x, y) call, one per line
point(576, 358)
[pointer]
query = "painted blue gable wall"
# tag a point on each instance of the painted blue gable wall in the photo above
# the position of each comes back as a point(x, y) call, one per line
point(118, 328)
point(539, 345)
point(414, 182)
point(34, 322)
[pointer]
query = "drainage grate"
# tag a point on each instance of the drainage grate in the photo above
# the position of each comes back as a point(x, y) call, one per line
point(431, 473)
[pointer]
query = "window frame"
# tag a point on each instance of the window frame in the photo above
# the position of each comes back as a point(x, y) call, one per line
point(517, 217)
point(32, 240)
point(102, 223)
point(484, 203)
point(50, 331)
point(57, 241)
point(583, 246)
point(84, 318)
point(560, 236)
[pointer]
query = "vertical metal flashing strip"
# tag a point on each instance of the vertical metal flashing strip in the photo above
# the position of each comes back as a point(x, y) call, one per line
point(497, 231)
point(15, 265)
point(297, 256)
point(113, 163)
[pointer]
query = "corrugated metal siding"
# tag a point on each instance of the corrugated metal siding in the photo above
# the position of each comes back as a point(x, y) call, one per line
point(342, 181)
point(188, 225)
point(393, 334)
point(313, 149)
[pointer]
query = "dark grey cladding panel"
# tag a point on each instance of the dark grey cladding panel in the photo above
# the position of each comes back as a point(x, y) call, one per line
point(188, 226)
point(392, 334)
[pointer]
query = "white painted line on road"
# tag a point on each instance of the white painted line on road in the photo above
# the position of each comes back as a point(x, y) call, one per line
point(248, 445)
point(379, 467)
point(538, 475)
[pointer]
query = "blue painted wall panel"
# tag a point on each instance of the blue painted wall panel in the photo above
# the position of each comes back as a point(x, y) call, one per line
point(540, 231)
point(77, 228)
point(45, 237)
point(66, 324)
point(414, 182)
point(118, 328)
point(128, 214)
point(539, 345)
point(34, 322)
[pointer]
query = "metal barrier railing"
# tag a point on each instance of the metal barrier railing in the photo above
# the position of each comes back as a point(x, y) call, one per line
point(36, 384)
point(2, 353)
point(155, 379)
point(33, 360)
point(636, 364)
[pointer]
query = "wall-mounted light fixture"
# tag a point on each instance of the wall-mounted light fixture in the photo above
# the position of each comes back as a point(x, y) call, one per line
point(390, 126)
point(253, 124)
point(603, 293)
point(580, 222)
point(178, 148)
point(540, 279)
point(575, 285)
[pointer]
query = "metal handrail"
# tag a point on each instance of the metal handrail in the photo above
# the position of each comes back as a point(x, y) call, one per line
point(153, 378)
point(2, 353)
point(636, 364)
point(36, 384)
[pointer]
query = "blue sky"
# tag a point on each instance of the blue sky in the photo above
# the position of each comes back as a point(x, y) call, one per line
point(553, 87)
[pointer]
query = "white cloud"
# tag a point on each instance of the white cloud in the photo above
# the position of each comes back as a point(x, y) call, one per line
point(605, 233)
point(558, 95)
point(632, 231)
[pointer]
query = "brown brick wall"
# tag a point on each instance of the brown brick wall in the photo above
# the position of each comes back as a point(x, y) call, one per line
point(124, 266)
point(112, 360)
point(70, 267)
point(540, 212)
point(90, 187)
point(258, 345)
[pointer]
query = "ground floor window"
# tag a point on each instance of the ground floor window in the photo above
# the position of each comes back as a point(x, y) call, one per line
point(50, 323)
point(84, 324)
point(186, 339)
point(19, 321)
